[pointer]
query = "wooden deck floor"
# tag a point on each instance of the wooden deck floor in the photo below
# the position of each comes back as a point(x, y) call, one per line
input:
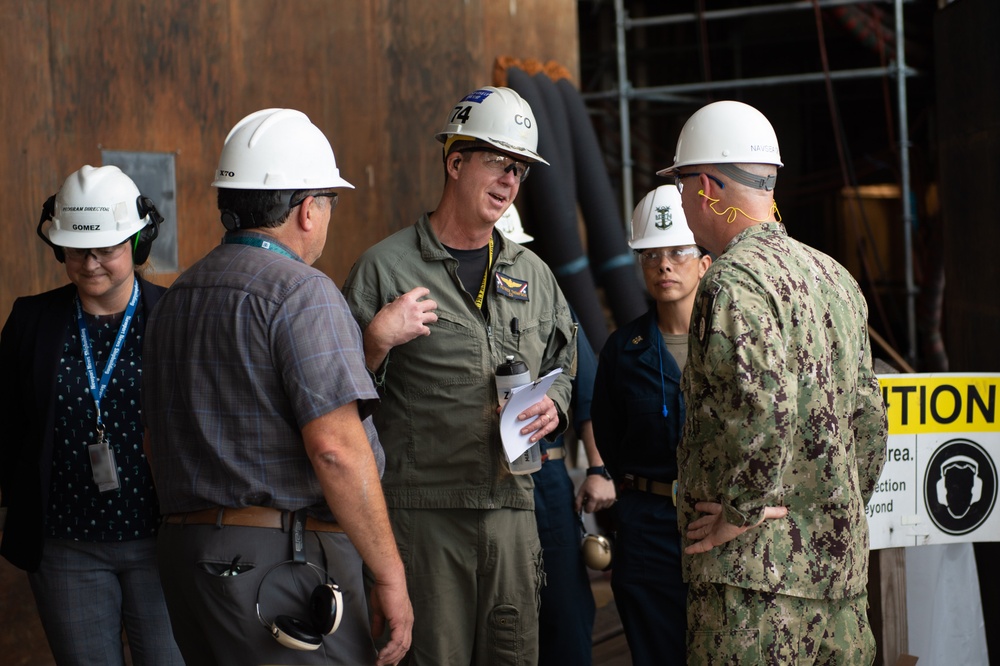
point(610, 648)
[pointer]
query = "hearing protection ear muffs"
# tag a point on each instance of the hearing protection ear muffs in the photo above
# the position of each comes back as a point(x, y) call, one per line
point(596, 549)
point(941, 489)
point(230, 220)
point(326, 608)
point(144, 237)
point(596, 552)
point(48, 210)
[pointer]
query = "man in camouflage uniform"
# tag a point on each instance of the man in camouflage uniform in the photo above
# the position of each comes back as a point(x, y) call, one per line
point(785, 433)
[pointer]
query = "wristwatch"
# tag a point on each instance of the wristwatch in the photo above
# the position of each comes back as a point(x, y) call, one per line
point(600, 470)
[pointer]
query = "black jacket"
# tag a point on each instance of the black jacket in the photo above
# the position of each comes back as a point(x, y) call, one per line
point(29, 351)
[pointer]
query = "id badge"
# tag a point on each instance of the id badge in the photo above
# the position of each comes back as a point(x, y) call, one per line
point(102, 464)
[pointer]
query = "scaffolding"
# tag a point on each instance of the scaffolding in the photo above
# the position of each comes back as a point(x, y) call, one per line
point(898, 70)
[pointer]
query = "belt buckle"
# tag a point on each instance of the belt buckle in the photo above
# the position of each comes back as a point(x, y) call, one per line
point(628, 482)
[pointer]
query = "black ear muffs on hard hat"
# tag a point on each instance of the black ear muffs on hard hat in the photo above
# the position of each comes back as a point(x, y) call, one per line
point(48, 210)
point(144, 238)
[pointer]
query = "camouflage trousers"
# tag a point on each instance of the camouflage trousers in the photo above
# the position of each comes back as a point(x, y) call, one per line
point(739, 627)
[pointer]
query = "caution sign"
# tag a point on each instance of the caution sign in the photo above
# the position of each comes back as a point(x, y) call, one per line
point(940, 482)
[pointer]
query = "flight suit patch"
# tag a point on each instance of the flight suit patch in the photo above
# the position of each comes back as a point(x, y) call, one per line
point(511, 287)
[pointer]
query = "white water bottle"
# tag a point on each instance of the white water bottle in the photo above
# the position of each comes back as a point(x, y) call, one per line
point(509, 375)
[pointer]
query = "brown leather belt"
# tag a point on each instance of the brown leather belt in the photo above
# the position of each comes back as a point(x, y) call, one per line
point(633, 482)
point(251, 516)
point(557, 453)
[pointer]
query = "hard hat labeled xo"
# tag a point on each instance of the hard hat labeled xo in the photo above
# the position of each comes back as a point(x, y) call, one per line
point(277, 149)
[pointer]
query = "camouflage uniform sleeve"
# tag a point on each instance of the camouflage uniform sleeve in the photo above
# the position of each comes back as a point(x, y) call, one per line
point(753, 401)
point(871, 429)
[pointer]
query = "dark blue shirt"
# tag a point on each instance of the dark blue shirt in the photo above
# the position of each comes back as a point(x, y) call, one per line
point(77, 509)
point(637, 379)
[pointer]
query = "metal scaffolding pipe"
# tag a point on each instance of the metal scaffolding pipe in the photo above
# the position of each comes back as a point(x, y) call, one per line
point(672, 93)
point(624, 94)
point(740, 12)
point(904, 177)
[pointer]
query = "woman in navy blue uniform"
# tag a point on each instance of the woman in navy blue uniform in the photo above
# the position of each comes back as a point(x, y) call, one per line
point(638, 416)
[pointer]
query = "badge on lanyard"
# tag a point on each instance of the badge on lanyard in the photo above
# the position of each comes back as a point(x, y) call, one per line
point(102, 463)
point(102, 458)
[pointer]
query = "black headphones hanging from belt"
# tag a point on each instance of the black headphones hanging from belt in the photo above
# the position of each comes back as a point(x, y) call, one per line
point(142, 241)
point(326, 603)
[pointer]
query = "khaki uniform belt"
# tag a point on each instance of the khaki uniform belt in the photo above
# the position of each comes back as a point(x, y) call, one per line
point(633, 482)
point(251, 516)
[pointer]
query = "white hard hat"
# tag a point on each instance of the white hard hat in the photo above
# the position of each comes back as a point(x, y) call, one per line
point(96, 207)
point(277, 149)
point(498, 116)
point(658, 221)
point(725, 132)
point(510, 226)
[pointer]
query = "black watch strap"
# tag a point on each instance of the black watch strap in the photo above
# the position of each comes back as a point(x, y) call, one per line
point(600, 470)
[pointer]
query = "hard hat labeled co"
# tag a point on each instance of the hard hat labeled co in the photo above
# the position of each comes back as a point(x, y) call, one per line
point(498, 116)
point(658, 221)
point(725, 132)
point(277, 149)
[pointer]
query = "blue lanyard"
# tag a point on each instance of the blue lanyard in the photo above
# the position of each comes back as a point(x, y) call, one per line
point(257, 241)
point(88, 358)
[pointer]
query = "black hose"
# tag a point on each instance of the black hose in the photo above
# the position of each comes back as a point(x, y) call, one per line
point(551, 208)
point(611, 259)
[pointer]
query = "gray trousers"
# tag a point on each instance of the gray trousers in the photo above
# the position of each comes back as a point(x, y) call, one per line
point(214, 614)
point(86, 592)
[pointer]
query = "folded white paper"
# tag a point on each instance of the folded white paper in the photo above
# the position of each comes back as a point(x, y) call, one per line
point(521, 398)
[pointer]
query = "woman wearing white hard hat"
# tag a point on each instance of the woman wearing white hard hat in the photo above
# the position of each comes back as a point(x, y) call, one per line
point(82, 513)
point(638, 415)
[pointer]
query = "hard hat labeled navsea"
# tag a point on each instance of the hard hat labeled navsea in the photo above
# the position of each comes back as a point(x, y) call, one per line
point(498, 116)
point(510, 226)
point(277, 149)
point(658, 221)
point(725, 132)
point(96, 207)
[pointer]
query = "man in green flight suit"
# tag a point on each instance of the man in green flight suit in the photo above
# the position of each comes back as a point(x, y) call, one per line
point(441, 304)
